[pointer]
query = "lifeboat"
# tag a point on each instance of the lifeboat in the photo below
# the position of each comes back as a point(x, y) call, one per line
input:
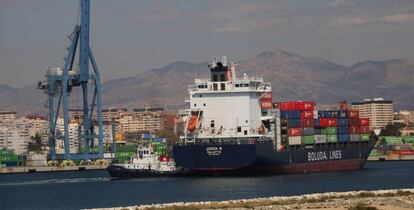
point(192, 125)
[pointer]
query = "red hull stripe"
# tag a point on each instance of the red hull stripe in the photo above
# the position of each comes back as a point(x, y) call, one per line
point(321, 166)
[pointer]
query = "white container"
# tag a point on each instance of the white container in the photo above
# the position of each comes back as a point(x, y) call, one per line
point(354, 137)
point(320, 139)
point(295, 140)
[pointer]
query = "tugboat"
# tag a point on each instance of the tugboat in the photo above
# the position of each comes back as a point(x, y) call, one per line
point(145, 163)
point(232, 126)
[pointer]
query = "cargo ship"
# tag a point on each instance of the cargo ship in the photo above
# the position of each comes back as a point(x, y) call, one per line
point(232, 126)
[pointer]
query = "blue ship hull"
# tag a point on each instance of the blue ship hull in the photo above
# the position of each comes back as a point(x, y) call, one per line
point(262, 158)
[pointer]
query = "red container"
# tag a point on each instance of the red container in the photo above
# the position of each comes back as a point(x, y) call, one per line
point(287, 106)
point(323, 122)
point(305, 105)
point(353, 121)
point(295, 131)
point(364, 129)
point(364, 121)
point(308, 114)
point(266, 103)
point(406, 152)
point(353, 130)
point(306, 123)
point(330, 122)
point(353, 113)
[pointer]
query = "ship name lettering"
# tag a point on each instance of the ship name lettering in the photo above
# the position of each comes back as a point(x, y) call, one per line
point(335, 154)
point(315, 156)
point(213, 151)
point(322, 155)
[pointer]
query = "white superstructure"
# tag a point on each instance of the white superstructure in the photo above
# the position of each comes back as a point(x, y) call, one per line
point(226, 107)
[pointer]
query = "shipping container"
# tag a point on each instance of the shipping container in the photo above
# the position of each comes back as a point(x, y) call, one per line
point(363, 121)
point(307, 123)
point(294, 123)
point(331, 122)
point(344, 138)
point(364, 129)
point(307, 114)
point(342, 114)
point(353, 113)
point(353, 130)
point(290, 114)
point(320, 139)
point(354, 137)
point(353, 121)
point(364, 137)
point(323, 122)
point(408, 139)
point(342, 130)
point(308, 139)
point(331, 130)
point(342, 122)
point(287, 106)
point(331, 138)
point(308, 131)
point(295, 140)
point(294, 131)
point(392, 140)
point(305, 105)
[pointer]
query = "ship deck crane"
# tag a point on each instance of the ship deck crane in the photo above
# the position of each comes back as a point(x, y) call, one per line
point(59, 83)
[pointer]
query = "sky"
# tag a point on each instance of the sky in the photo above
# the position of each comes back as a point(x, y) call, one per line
point(129, 36)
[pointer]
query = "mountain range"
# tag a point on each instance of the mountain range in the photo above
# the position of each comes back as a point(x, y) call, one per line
point(293, 77)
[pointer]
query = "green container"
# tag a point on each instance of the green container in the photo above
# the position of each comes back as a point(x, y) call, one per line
point(364, 137)
point(126, 148)
point(308, 139)
point(408, 139)
point(323, 131)
point(330, 130)
point(123, 156)
point(331, 138)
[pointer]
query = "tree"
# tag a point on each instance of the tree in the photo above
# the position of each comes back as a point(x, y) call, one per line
point(392, 129)
point(35, 144)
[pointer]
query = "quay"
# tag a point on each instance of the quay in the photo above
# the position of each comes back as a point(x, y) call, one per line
point(34, 169)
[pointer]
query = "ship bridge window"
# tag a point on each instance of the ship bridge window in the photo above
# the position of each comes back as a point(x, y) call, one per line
point(212, 124)
point(223, 86)
point(202, 86)
point(215, 86)
point(245, 85)
point(237, 85)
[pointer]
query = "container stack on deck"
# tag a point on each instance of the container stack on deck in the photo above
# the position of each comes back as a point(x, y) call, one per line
point(301, 124)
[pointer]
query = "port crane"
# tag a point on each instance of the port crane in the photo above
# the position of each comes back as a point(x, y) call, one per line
point(59, 83)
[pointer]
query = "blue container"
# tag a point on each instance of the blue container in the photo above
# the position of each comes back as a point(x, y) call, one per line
point(343, 138)
point(342, 130)
point(294, 114)
point(316, 123)
point(342, 122)
point(284, 114)
point(294, 123)
point(317, 131)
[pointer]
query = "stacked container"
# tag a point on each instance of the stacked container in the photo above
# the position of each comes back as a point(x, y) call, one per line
point(301, 124)
point(298, 119)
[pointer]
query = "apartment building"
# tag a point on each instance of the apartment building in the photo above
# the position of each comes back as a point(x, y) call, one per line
point(378, 110)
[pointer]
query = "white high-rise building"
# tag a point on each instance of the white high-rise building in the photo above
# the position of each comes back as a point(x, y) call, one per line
point(378, 110)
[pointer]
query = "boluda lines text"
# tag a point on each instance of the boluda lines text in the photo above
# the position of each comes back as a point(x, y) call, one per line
point(323, 155)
